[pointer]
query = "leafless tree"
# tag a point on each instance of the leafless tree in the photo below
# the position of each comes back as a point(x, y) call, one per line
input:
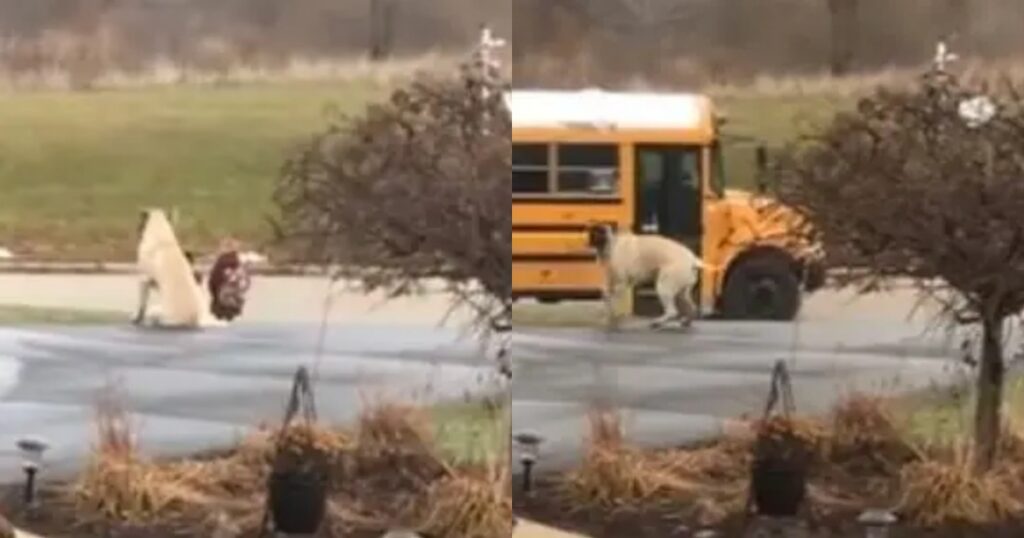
point(926, 184)
point(416, 188)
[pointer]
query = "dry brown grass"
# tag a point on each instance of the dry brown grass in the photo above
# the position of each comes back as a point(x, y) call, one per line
point(471, 503)
point(296, 70)
point(688, 75)
point(867, 461)
point(386, 472)
point(867, 434)
point(385, 425)
point(941, 491)
point(613, 473)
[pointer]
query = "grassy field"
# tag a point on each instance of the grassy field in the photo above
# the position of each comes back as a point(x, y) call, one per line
point(947, 415)
point(75, 167)
point(32, 315)
point(774, 120)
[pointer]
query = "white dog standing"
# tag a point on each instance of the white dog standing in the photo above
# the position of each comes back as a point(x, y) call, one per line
point(630, 260)
point(163, 265)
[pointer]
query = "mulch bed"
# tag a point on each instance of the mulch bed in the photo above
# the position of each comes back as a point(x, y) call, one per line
point(549, 506)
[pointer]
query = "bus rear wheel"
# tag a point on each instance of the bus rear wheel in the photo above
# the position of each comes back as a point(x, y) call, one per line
point(762, 288)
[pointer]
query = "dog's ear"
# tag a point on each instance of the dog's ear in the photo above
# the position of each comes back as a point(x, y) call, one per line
point(598, 236)
point(143, 220)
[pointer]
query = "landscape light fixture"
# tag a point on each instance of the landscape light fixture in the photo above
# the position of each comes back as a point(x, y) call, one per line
point(32, 450)
point(876, 523)
point(529, 444)
point(402, 533)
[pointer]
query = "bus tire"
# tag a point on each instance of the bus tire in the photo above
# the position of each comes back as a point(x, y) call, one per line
point(761, 288)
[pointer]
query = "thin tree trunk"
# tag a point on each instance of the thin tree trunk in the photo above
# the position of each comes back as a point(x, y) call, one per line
point(988, 414)
point(382, 26)
point(843, 15)
point(958, 17)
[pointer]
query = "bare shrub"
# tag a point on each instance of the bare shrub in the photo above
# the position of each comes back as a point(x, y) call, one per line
point(905, 186)
point(416, 188)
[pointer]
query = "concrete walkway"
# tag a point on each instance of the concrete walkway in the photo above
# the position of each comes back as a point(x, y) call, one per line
point(273, 299)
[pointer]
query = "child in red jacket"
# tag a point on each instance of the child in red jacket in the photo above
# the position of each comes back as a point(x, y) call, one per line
point(228, 282)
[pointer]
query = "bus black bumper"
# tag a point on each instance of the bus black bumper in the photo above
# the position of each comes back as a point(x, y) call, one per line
point(814, 276)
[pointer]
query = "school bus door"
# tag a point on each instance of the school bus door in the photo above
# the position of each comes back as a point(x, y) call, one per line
point(669, 203)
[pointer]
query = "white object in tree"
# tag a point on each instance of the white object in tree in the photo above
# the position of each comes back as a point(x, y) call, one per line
point(943, 56)
point(977, 111)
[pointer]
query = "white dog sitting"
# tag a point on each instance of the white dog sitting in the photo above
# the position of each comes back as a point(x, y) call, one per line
point(164, 266)
point(630, 260)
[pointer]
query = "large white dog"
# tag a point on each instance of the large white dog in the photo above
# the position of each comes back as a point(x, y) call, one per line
point(631, 260)
point(164, 267)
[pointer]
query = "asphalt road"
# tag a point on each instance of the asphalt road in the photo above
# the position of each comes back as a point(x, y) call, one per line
point(193, 391)
point(202, 389)
point(197, 390)
point(680, 387)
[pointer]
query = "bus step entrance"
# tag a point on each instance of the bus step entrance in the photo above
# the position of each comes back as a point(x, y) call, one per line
point(645, 302)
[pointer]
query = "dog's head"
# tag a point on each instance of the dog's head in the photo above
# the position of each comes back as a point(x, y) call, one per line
point(155, 218)
point(599, 236)
point(143, 221)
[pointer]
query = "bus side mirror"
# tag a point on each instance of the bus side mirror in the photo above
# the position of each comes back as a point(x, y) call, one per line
point(762, 169)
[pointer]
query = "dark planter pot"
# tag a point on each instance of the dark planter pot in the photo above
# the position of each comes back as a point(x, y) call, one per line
point(779, 487)
point(298, 501)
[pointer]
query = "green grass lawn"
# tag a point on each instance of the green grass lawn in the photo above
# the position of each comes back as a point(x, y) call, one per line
point(32, 315)
point(471, 432)
point(76, 167)
point(774, 120)
point(946, 415)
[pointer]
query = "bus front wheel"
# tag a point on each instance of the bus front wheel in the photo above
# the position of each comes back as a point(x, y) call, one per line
point(761, 288)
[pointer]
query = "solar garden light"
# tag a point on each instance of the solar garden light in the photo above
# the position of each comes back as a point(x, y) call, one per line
point(529, 444)
point(876, 523)
point(32, 450)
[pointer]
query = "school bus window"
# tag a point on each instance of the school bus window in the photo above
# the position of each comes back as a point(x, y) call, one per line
point(531, 169)
point(590, 169)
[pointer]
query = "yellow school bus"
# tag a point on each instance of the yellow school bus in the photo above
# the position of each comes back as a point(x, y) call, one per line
point(650, 163)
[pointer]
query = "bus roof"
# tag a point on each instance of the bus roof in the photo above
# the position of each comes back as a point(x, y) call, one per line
point(597, 109)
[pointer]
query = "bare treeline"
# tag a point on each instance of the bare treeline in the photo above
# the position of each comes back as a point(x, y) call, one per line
point(700, 41)
point(126, 34)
